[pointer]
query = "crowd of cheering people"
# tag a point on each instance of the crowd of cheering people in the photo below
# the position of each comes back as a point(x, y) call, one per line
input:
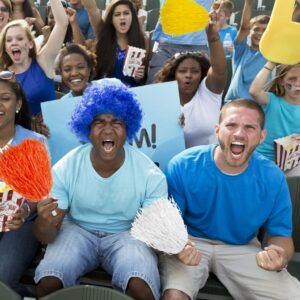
point(222, 127)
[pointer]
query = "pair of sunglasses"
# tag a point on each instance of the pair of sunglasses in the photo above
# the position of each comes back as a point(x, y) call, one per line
point(4, 9)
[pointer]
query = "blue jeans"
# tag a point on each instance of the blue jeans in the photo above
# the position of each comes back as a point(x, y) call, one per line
point(17, 250)
point(77, 251)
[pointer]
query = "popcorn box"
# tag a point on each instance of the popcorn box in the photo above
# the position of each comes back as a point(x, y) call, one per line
point(287, 152)
point(133, 60)
point(10, 201)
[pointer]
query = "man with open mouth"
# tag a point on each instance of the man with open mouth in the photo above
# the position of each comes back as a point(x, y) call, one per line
point(100, 186)
point(226, 193)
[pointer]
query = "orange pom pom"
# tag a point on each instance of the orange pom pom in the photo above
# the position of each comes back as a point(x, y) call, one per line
point(26, 168)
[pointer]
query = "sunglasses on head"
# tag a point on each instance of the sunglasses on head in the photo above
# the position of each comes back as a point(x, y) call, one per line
point(4, 9)
point(7, 75)
point(186, 53)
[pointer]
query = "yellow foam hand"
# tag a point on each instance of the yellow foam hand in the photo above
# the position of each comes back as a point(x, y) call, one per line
point(280, 42)
point(182, 16)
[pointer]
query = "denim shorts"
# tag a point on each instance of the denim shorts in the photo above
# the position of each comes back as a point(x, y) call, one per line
point(77, 251)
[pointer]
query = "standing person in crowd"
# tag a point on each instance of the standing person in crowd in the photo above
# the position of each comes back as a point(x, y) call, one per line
point(82, 18)
point(247, 59)
point(281, 105)
point(18, 245)
point(76, 65)
point(100, 187)
point(168, 45)
point(200, 84)
point(226, 193)
point(141, 13)
point(120, 30)
point(5, 12)
point(23, 9)
point(33, 70)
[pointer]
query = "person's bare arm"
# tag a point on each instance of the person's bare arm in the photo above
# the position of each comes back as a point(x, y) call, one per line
point(48, 53)
point(245, 21)
point(257, 88)
point(217, 73)
point(296, 13)
point(78, 36)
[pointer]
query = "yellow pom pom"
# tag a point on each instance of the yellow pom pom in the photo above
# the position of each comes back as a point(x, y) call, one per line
point(182, 16)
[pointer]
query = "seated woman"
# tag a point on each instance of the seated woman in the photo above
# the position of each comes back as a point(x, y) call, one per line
point(18, 245)
point(119, 30)
point(34, 70)
point(76, 65)
point(201, 83)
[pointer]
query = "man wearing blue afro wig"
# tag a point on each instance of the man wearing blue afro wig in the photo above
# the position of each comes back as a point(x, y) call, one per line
point(109, 96)
point(100, 187)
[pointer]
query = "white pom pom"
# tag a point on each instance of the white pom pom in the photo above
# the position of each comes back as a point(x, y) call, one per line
point(161, 227)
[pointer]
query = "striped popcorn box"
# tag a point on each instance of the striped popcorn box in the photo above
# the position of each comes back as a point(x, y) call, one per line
point(287, 152)
point(10, 201)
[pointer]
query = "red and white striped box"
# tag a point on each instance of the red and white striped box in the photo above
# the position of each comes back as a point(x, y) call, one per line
point(287, 152)
point(10, 201)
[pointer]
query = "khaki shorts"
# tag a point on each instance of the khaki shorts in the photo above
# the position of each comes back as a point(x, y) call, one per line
point(236, 268)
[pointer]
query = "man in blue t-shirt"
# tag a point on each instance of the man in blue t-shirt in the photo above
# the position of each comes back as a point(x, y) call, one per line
point(226, 193)
point(100, 186)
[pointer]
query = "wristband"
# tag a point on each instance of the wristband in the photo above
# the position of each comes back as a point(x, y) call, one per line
point(268, 69)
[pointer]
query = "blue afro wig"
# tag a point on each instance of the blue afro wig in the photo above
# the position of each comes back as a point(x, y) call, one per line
point(107, 96)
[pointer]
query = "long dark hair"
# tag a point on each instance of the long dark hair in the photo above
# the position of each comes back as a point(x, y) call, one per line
point(107, 45)
point(23, 117)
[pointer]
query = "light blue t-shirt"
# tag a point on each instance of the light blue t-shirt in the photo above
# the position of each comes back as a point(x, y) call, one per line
point(229, 208)
point(231, 30)
point(246, 63)
point(106, 204)
point(194, 38)
point(282, 119)
point(23, 133)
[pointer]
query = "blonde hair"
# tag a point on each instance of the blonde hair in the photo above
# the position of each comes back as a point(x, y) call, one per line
point(5, 60)
point(7, 4)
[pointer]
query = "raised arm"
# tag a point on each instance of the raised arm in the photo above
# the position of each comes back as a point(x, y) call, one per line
point(245, 21)
point(47, 223)
point(217, 73)
point(78, 36)
point(95, 18)
point(48, 53)
point(257, 88)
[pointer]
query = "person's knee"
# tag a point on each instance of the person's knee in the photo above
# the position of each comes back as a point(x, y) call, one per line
point(48, 285)
point(139, 289)
point(173, 294)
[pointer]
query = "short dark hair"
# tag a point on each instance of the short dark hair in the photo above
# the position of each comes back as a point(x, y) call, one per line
point(247, 103)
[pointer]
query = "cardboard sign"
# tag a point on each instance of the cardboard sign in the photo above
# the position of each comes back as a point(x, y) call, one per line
point(133, 60)
point(160, 137)
point(287, 152)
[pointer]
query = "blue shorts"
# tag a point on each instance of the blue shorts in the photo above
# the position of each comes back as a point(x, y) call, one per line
point(77, 251)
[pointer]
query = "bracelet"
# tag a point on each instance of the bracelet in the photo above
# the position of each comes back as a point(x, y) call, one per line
point(268, 69)
point(214, 39)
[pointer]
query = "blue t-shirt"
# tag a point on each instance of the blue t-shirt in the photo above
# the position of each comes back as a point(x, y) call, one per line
point(229, 29)
point(83, 21)
point(225, 207)
point(37, 86)
point(106, 204)
point(23, 133)
point(194, 38)
point(246, 63)
point(282, 119)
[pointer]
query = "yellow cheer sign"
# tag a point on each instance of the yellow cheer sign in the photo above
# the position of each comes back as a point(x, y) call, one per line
point(182, 16)
point(280, 42)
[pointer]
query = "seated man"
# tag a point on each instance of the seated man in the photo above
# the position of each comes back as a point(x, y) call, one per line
point(226, 193)
point(100, 186)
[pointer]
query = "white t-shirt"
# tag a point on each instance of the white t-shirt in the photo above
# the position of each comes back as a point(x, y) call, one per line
point(201, 115)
